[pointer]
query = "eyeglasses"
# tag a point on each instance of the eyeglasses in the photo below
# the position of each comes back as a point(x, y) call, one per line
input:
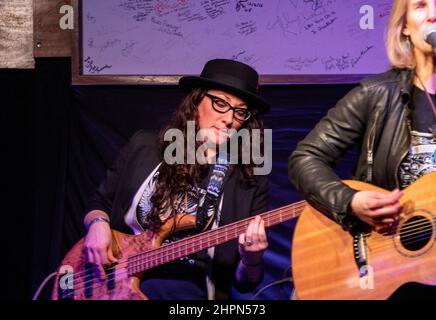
point(223, 106)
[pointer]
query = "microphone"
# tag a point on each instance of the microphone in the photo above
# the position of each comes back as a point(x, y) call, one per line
point(429, 35)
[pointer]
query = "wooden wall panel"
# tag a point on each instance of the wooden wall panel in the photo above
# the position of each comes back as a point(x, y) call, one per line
point(16, 34)
point(49, 39)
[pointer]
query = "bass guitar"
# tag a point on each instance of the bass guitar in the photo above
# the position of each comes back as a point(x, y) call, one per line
point(78, 280)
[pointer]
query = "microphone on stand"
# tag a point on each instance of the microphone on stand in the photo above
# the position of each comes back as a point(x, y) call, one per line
point(429, 34)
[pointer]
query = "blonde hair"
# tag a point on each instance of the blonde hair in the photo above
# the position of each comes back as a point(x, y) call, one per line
point(398, 46)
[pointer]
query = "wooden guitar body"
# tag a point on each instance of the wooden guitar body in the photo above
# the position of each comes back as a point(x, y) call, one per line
point(121, 282)
point(331, 263)
point(78, 280)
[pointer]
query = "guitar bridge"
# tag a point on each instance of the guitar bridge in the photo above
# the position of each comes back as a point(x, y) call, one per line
point(360, 253)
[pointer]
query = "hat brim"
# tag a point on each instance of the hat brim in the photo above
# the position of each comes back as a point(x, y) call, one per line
point(253, 101)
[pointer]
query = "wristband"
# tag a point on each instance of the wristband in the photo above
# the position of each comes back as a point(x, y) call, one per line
point(97, 219)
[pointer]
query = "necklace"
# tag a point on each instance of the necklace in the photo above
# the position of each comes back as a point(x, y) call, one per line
point(433, 127)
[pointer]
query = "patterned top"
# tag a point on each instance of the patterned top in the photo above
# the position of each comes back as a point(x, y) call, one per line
point(165, 281)
point(185, 203)
point(420, 160)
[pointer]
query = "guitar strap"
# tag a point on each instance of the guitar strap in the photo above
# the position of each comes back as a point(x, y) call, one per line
point(214, 191)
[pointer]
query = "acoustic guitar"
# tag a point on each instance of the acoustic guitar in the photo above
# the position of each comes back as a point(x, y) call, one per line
point(78, 280)
point(331, 263)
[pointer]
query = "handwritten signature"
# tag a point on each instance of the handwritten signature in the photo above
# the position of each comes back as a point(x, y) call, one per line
point(128, 48)
point(246, 27)
point(345, 61)
point(109, 44)
point(247, 6)
point(92, 68)
point(237, 55)
point(354, 61)
point(215, 8)
point(90, 18)
point(316, 4)
point(164, 7)
point(299, 63)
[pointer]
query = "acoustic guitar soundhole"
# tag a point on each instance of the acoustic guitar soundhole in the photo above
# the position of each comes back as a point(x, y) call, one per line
point(416, 232)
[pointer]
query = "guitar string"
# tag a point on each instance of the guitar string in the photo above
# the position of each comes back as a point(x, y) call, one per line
point(405, 241)
point(408, 237)
point(85, 284)
point(413, 236)
point(99, 284)
point(150, 257)
point(411, 229)
point(269, 215)
point(319, 261)
point(139, 263)
point(340, 268)
point(235, 226)
point(408, 230)
point(231, 227)
point(179, 247)
point(296, 205)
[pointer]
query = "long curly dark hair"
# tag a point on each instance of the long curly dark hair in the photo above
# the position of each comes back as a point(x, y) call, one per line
point(175, 179)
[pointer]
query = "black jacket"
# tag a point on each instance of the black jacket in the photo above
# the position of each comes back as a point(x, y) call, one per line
point(375, 115)
point(132, 166)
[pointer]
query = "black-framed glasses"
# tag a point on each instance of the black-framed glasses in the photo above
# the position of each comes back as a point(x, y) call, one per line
point(223, 106)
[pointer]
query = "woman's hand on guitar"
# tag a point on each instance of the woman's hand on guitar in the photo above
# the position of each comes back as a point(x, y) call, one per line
point(377, 208)
point(98, 244)
point(253, 242)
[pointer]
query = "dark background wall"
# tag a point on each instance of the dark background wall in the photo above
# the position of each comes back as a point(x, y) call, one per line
point(59, 139)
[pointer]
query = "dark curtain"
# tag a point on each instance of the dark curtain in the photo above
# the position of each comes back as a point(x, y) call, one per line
point(16, 88)
point(59, 140)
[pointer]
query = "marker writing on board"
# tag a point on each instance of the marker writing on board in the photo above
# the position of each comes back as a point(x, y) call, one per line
point(89, 65)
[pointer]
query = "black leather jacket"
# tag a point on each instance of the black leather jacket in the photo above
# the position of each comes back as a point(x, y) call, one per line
point(375, 115)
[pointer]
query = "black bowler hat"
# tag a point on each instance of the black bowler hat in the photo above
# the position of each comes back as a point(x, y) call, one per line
point(232, 76)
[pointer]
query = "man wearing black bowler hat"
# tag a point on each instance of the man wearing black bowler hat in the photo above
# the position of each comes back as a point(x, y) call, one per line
point(142, 192)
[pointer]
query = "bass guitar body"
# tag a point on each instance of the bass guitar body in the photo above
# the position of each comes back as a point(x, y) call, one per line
point(80, 280)
point(76, 279)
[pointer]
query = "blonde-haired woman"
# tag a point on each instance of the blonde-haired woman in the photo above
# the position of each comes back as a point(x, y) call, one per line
point(390, 117)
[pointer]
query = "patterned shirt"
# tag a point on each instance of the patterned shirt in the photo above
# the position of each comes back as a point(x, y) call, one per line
point(421, 158)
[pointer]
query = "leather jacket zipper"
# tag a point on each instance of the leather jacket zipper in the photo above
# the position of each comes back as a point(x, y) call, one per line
point(370, 146)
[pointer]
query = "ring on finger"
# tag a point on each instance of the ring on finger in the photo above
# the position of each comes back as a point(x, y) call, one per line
point(248, 243)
